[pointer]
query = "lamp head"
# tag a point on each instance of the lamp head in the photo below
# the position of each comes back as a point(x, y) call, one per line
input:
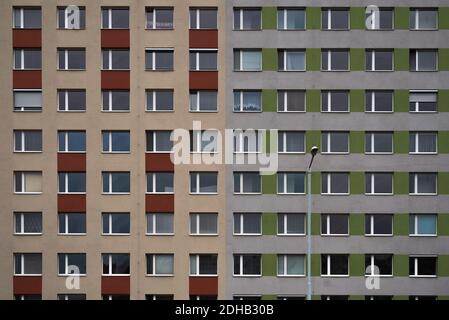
point(314, 151)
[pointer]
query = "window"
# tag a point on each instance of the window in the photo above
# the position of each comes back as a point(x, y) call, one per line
point(27, 59)
point(115, 59)
point(291, 183)
point(423, 142)
point(246, 182)
point(412, 298)
point(71, 59)
point(335, 60)
point(334, 224)
point(203, 182)
point(66, 18)
point(203, 141)
point(159, 18)
point(159, 297)
point(27, 141)
point(422, 266)
point(247, 101)
point(27, 18)
point(423, 19)
point(71, 100)
point(27, 100)
point(247, 224)
point(203, 60)
point(381, 19)
point(290, 265)
point(378, 265)
point(115, 263)
point(27, 222)
point(116, 141)
point(291, 142)
point(291, 224)
point(378, 101)
point(116, 182)
point(334, 142)
point(247, 19)
point(334, 101)
point(203, 101)
point(160, 182)
point(379, 183)
point(247, 60)
point(159, 100)
point(334, 265)
point(247, 265)
point(423, 224)
point(160, 224)
point(115, 100)
point(159, 59)
point(203, 18)
point(248, 141)
point(115, 18)
point(379, 60)
point(159, 141)
point(334, 19)
point(160, 264)
point(423, 60)
point(291, 60)
point(72, 182)
point(423, 101)
point(28, 264)
point(71, 141)
point(27, 181)
point(72, 296)
point(379, 142)
point(378, 224)
point(334, 183)
point(291, 19)
point(203, 264)
point(291, 101)
point(115, 223)
point(203, 224)
point(115, 297)
point(72, 223)
point(247, 297)
point(423, 183)
point(71, 264)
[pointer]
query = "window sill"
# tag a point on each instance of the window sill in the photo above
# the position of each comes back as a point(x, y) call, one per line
point(304, 111)
point(203, 234)
point(335, 70)
point(335, 194)
point(335, 276)
point(423, 153)
point(27, 233)
point(159, 234)
point(337, 153)
point(159, 29)
point(27, 151)
point(159, 193)
point(160, 70)
point(423, 70)
point(423, 276)
point(159, 111)
point(246, 111)
point(431, 29)
point(282, 29)
point(291, 153)
point(247, 234)
point(378, 153)
point(203, 193)
point(423, 194)
point(70, 69)
point(247, 193)
point(159, 275)
point(423, 235)
point(115, 28)
point(116, 275)
point(72, 275)
point(204, 111)
point(159, 152)
point(116, 152)
point(290, 194)
point(203, 275)
point(115, 111)
point(287, 71)
point(335, 235)
point(101, 69)
point(116, 234)
point(71, 193)
point(31, 193)
point(379, 194)
point(379, 235)
point(116, 193)
point(380, 112)
point(210, 29)
point(27, 69)
point(290, 234)
point(72, 111)
point(72, 234)
point(379, 275)
point(247, 275)
point(28, 275)
point(381, 71)
point(291, 276)
point(243, 70)
point(64, 152)
point(347, 111)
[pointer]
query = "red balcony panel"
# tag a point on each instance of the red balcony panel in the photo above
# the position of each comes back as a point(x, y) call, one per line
point(27, 285)
point(72, 162)
point(203, 286)
point(159, 162)
point(160, 203)
point(27, 79)
point(115, 285)
point(71, 203)
point(115, 38)
point(26, 38)
point(203, 80)
point(115, 79)
point(203, 39)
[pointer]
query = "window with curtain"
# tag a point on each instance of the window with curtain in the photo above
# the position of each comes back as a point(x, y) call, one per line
point(423, 224)
point(291, 265)
point(423, 142)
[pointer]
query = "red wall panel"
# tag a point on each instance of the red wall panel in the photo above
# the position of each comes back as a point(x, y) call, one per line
point(203, 285)
point(26, 38)
point(115, 79)
point(27, 285)
point(158, 162)
point(115, 38)
point(71, 203)
point(203, 80)
point(72, 162)
point(203, 39)
point(160, 203)
point(27, 79)
point(115, 285)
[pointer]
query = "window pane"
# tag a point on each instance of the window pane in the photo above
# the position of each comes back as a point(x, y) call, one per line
point(339, 19)
point(208, 182)
point(120, 141)
point(208, 61)
point(164, 60)
point(295, 19)
point(32, 18)
point(76, 59)
point(120, 182)
point(32, 222)
point(120, 18)
point(251, 60)
point(120, 223)
point(339, 60)
point(338, 224)
point(251, 19)
point(427, 183)
point(251, 223)
point(427, 224)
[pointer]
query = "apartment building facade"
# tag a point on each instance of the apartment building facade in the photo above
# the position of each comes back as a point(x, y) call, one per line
point(89, 186)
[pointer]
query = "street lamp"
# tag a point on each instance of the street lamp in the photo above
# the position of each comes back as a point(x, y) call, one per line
point(313, 152)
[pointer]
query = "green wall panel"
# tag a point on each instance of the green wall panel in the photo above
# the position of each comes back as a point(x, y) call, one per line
point(443, 141)
point(316, 265)
point(357, 182)
point(312, 139)
point(357, 100)
point(400, 265)
point(313, 18)
point(401, 141)
point(313, 100)
point(401, 100)
point(316, 224)
point(356, 265)
point(400, 183)
point(443, 183)
point(443, 58)
point(357, 17)
point(357, 59)
point(401, 59)
point(269, 265)
point(357, 141)
point(443, 100)
point(401, 18)
point(443, 17)
point(313, 59)
point(356, 224)
point(269, 100)
point(269, 184)
point(269, 297)
point(400, 224)
point(443, 224)
point(356, 297)
point(443, 266)
point(400, 297)
point(269, 223)
point(269, 18)
point(269, 59)
point(443, 298)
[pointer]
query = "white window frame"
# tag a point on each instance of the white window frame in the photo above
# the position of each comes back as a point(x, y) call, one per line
point(285, 18)
point(108, 108)
point(239, 136)
point(240, 11)
point(66, 224)
point(372, 268)
point(66, 184)
point(22, 224)
point(415, 233)
point(196, 108)
point(283, 149)
point(109, 133)
point(241, 184)
point(284, 232)
point(197, 137)
point(110, 233)
point(284, 107)
point(329, 102)
point(417, 51)
point(415, 261)
point(327, 232)
point(329, 19)
point(374, 18)
point(154, 108)
point(66, 59)
point(284, 55)
point(153, 263)
point(372, 178)
point(22, 141)
point(22, 20)
point(329, 180)
point(22, 266)
point(241, 217)
point(197, 181)
point(109, 67)
point(371, 227)
point(153, 58)
point(23, 180)
point(373, 102)
point(154, 231)
point(66, 141)
point(415, 185)
point(285, 274)
point(109, 173)
point(241, 93)
point(417, 110)
point(196, 257)
point(196, 217)
point(66, 264)
point(154, 134)
point(329, 145)
point(108, 26)
point(153, 11)
point(284, 176)
point(417, 26)
point(110, 274)
point(372, 135)
point(22, 108)
point(373, 53)
point(22, 59)
point(328, 271)
point(197, 51)
point(417, 134)
point(66, 98)
point(329, 60)
point(153, 182)
point(198, 22)
point(241, 52)
point(240, 256)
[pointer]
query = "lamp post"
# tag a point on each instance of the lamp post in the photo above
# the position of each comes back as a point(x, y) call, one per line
point(313, 152)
